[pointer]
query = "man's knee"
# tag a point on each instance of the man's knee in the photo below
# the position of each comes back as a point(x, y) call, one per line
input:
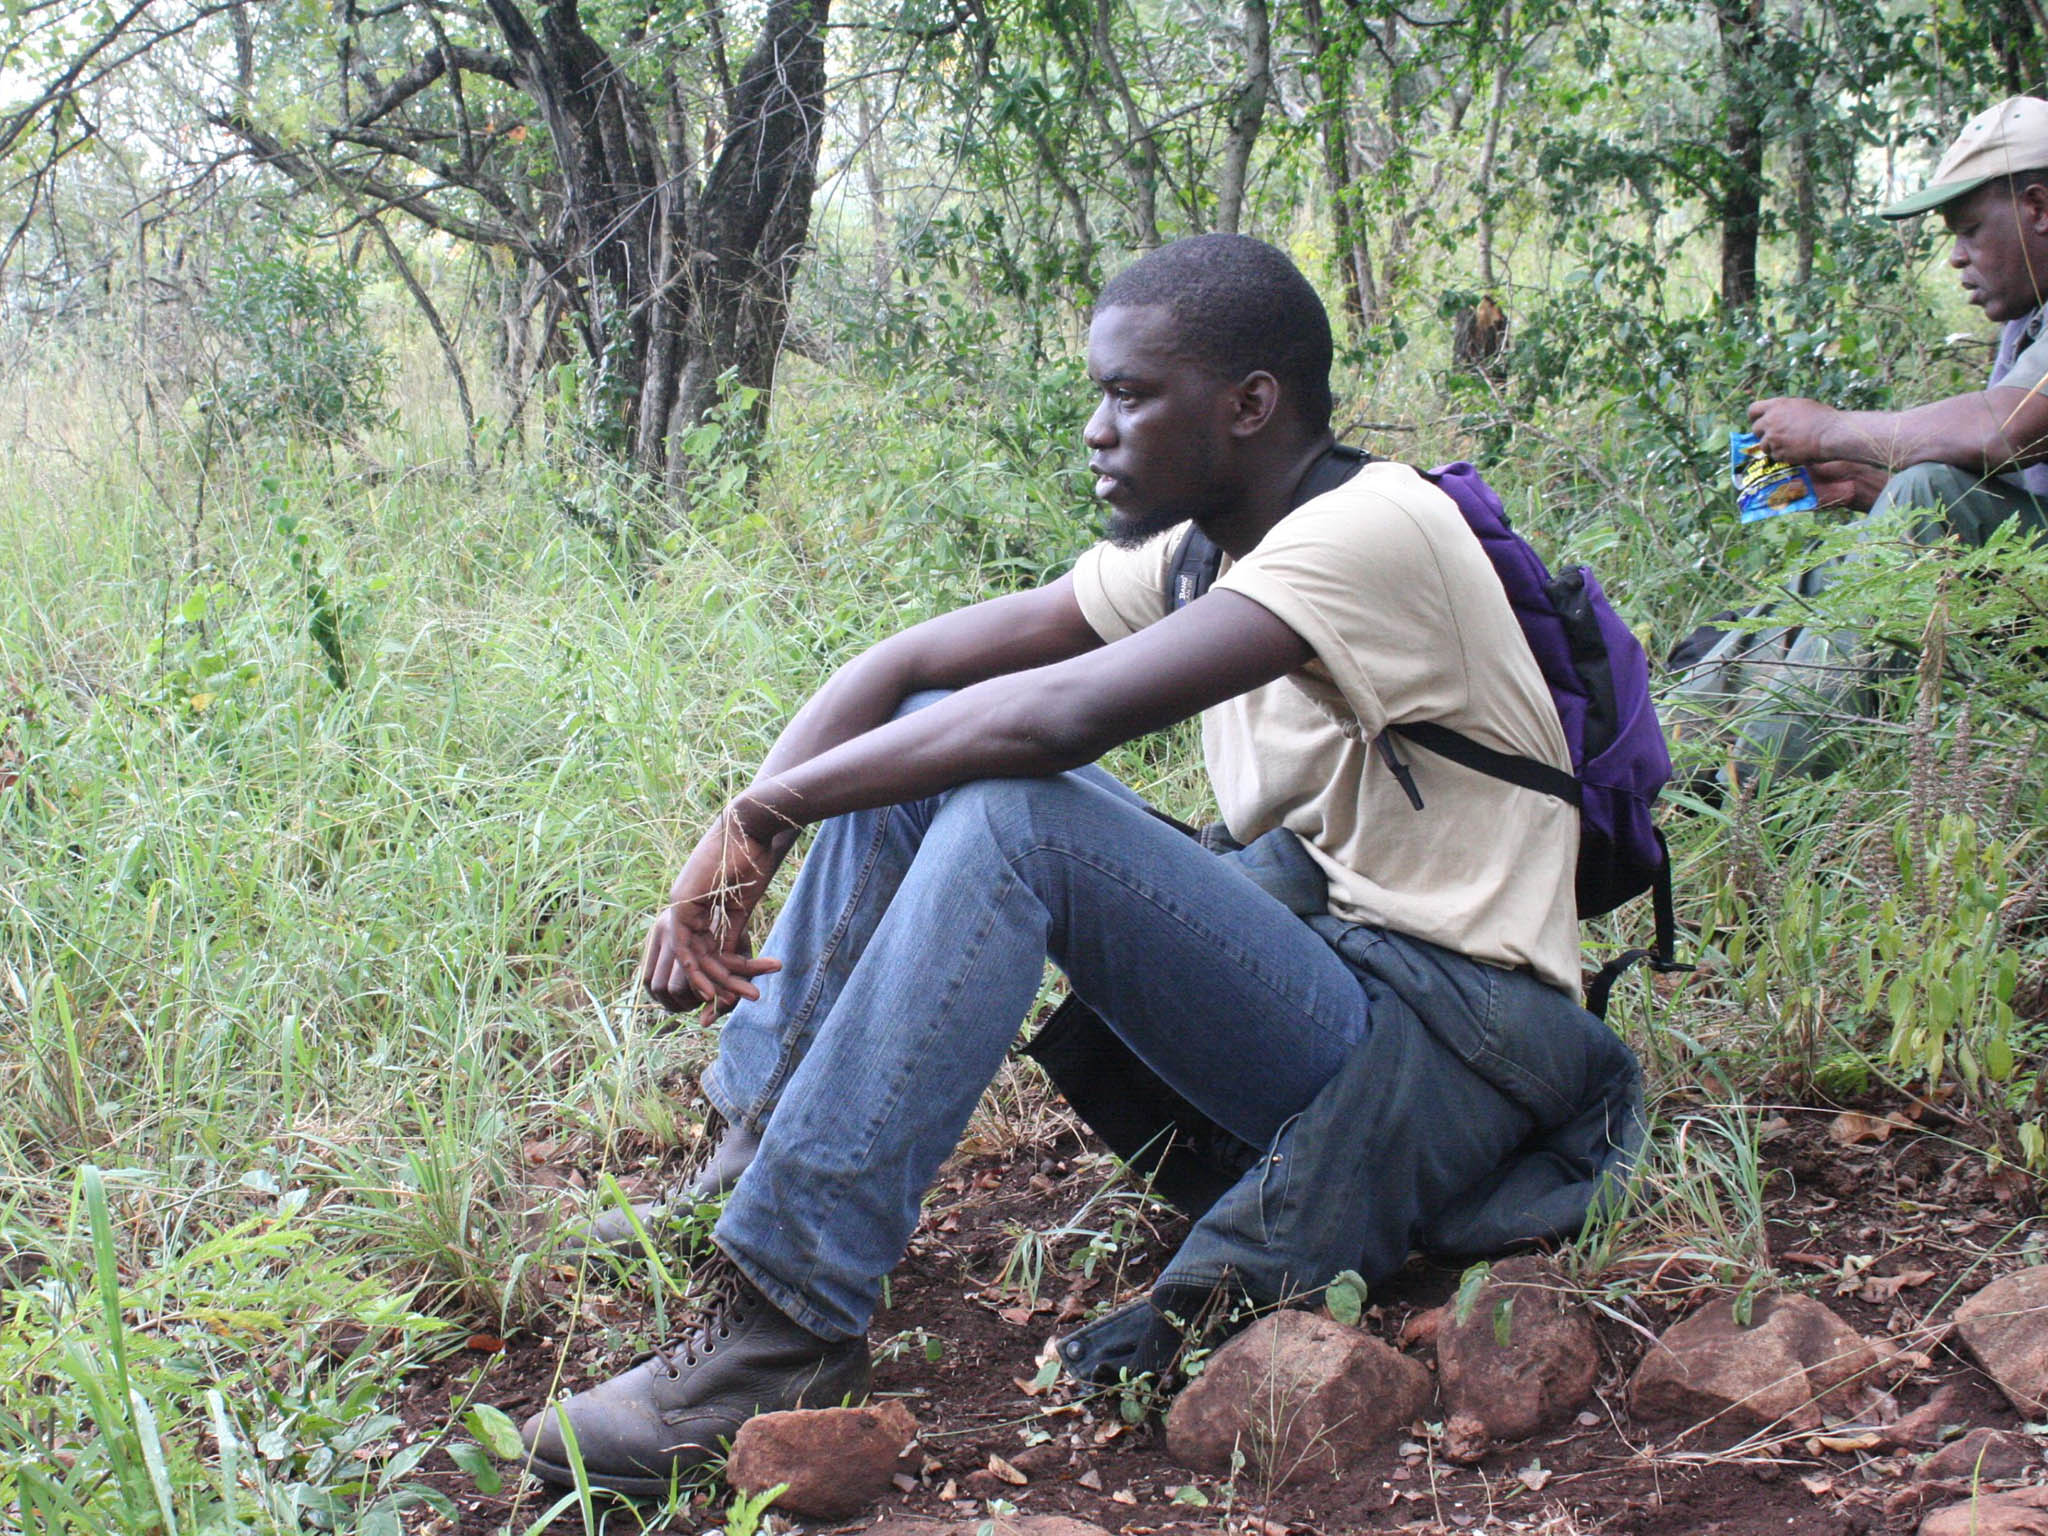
point(1929, 487)
point(1021, 814)
point(924, 699)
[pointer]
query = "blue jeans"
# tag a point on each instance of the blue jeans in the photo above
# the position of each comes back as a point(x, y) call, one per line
point(913, 945)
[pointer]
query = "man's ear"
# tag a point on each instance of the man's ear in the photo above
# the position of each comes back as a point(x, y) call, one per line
point(2033, 205)
point(1254, 400)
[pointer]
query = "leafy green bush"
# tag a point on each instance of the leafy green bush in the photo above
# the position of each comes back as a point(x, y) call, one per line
point(300, 355)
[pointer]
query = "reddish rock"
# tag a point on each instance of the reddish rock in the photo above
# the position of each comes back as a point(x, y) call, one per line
point(1524, 1357)
point(1029, 1525)
point(1297, 1394)
point(2006, 1327)
point(1465, 1440)
point(836, 1461)
point(1794, 1360)
point(1923, 1427)
point(2023, 1512)
point(1983, 1456)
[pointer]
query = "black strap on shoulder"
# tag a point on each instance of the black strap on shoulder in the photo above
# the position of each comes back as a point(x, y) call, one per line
point(1192, 570)
point(1196, 561)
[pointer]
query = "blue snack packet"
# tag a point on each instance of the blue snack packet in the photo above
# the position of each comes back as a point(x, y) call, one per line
point(1764, 487)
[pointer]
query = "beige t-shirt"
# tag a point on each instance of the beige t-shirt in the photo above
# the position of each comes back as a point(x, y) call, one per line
point(1408, 622)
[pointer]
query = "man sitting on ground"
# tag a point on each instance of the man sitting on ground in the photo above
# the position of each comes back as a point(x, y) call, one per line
point(963, 839)
point(1972, 460)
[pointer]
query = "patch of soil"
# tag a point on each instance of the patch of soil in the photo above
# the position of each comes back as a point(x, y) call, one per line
point(1891, 1222)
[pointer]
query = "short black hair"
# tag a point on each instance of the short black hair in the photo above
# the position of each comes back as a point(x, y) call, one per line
point(1238, 306)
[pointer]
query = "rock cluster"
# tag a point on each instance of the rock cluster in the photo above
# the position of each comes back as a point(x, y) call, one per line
point(1300, 1397)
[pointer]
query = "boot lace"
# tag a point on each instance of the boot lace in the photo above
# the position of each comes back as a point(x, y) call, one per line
point(723, 1310)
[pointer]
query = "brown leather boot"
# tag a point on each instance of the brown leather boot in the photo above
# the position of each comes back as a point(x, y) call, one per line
point(614, 1229)
point(679, 1408)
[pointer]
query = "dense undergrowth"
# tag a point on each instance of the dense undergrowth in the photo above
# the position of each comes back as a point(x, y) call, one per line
point(335, 786)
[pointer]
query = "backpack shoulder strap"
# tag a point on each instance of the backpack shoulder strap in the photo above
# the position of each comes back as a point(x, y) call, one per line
point(1523, 772)
point(1196, 561)
point(1192, 570)
point(1662, 956)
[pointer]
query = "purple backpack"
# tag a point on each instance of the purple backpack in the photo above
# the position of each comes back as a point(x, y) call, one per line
point(1599, 679)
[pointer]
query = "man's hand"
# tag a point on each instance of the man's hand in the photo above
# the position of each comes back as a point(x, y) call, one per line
point(1845, 483)
point(1794, 431)
point(697, 951)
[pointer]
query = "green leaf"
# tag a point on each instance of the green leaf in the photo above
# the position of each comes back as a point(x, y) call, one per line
point(1469, 1287)
point(498, 1434)
point(1188, 1493)
point(473, 1461)
point(1344, 1298)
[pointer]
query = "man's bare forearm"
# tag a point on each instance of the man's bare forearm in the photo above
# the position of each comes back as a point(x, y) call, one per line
point(956, 650)
point(1035, 721)
point(1987, 432)
point(1001, 728)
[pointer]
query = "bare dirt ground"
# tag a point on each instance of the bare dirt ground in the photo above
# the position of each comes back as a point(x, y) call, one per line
point(1892, 1222)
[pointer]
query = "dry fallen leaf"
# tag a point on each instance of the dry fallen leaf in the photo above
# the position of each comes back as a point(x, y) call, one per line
point(1091, 1479)
point(1123, 1496)
point(2010, 1184)
point(1819, 1487)
point(1881, 1288)
point(1005, 1471)
point(1852, 1126)
point(1534, 1476)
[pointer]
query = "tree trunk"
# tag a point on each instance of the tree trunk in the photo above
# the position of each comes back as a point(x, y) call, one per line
point(1740, 25)
point(881, 236)
point(1247, 110)
point(1489, 151)
point(671, 286)
point(1137, 145)
point(1332, 60)
point(757, 212)
point(1805, 211)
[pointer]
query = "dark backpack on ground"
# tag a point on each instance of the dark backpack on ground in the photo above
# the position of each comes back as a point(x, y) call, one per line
point(1598, 677)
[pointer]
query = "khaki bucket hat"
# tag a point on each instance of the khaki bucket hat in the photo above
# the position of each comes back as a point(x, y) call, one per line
point(2009, 138)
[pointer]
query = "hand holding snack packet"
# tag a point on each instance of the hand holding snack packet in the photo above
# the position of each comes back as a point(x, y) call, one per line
point(1764, 487)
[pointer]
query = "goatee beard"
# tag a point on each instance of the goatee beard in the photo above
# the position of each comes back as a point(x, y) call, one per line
point(1130, 530)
